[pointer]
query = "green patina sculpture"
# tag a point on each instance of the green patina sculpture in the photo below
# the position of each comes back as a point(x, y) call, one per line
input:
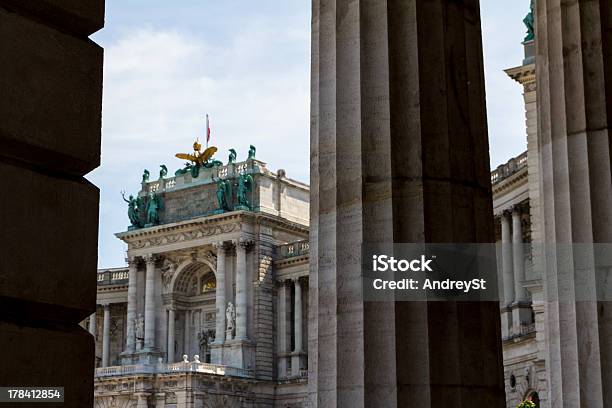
point(163, 171)
point(245, 185)
point(134, 205)
point(252, 151)
point(153, 208)
point(232, 157)
point(224, 188)
point(145, 176)
point(529, 21)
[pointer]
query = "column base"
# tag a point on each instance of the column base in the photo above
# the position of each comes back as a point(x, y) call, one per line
point(234, 353)
point(146, 357)
point(506, 322)
point(298, 363)
point(521, 316)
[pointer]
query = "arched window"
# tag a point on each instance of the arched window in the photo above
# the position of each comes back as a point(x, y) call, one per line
point(209, 283)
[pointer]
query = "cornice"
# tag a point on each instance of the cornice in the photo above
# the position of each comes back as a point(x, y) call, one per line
point(510, 182)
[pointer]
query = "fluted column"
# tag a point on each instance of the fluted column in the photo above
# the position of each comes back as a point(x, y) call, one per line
point(92, 325)
point(220, 294)
point(507, 259)
point(282, 329)
point(149, 340)
point(399, 142)
point(171, 328)
point(574, 75)
point(518, 255)
point(106, 336)
point(241, 290)
point(297, 317)
point(187, 333)
point(131, 304)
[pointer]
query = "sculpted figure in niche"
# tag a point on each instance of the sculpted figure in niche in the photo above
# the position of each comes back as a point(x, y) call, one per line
point(230, 316)
point(139, 323)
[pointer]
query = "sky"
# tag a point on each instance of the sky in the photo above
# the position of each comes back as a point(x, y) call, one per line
point(247, 64)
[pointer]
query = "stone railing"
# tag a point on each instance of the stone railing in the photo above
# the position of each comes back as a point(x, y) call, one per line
point(111, 277)
point(506, 170)
point(182, 367)
point(205, 176)
point(292, 249)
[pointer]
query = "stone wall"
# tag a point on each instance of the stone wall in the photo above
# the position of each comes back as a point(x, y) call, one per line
point(51, 87)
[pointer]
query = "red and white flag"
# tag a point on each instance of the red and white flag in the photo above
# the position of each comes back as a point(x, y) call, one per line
point(207, 130)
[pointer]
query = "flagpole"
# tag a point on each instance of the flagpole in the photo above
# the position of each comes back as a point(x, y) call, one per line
point(207, 131)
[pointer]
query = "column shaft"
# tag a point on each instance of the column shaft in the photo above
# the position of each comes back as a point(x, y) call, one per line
point(106, 337)
point(131, 305)
point(282, 330)
point(171, 329)
point(518, 251)
point(149, 340)
point(401, 153)
point(220, 294)
point(187, 336)
point(574, 78)
point(297, 318)
point(507, 259)
point(241, 291)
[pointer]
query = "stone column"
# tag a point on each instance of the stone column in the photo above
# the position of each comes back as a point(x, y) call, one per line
point(106, 336)
point(220, 294)
point(297, 318)
point(296, 359)
point(92, 325)
point(149, 340)
point(507, 259)
point(574, 76)
point(400, 144)
point(131, 305)
point(282, 330)
point(171, 330)
point(241, 289)
point(187, 332)
point(518, 256)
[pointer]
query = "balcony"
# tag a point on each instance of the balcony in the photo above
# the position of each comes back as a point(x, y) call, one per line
point(171, 368)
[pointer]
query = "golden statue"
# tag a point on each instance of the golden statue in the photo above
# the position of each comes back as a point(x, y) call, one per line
point(198, 157)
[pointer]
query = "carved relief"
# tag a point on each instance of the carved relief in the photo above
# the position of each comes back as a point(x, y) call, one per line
point(200, 232)
point(167, 271)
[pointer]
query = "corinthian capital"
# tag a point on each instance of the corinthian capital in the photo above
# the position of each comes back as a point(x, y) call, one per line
point(150, 258)
point(245, 243)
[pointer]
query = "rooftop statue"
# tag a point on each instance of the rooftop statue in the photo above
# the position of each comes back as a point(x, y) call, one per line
point(252, 151)
point(163, 171)
point(245, 185)
point(224, 188)
point(153, 208)
point(134, 205)
point(232, 157)
point(198, 159)
point(145, 176)
point(529, 21)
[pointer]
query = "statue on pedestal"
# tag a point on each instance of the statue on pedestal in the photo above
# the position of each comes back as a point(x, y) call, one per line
point(163, 171)
point(134, 205)
point(232, 157)
point(230, 318)
point(224, 188)
point(245, 185)
point(145, 176)
point(153, 209)
point(252, 151)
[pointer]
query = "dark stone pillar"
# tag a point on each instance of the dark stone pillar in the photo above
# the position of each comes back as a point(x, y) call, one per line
point(574, 74)
point(50, 118)
point(399, 154)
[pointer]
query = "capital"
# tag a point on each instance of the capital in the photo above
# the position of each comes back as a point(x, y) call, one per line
point(517, 209)
point(150, 258)
point(507, 213)
point(245, 243)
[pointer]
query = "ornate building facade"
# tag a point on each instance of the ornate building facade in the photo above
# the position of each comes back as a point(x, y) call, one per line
point(211, 311)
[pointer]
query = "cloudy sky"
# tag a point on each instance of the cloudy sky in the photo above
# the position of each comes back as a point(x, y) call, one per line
point(246, 63)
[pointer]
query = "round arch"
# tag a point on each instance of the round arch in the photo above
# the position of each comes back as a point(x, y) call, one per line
point(190, 266)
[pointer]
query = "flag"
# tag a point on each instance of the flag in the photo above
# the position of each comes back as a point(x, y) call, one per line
point(207, 130)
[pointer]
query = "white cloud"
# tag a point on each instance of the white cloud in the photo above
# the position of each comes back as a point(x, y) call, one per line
point(158, 85)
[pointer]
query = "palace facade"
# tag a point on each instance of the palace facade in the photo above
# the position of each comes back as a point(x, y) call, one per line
point(212, 310)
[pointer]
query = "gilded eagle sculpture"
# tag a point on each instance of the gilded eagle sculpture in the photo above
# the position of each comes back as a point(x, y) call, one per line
point(198, 157)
